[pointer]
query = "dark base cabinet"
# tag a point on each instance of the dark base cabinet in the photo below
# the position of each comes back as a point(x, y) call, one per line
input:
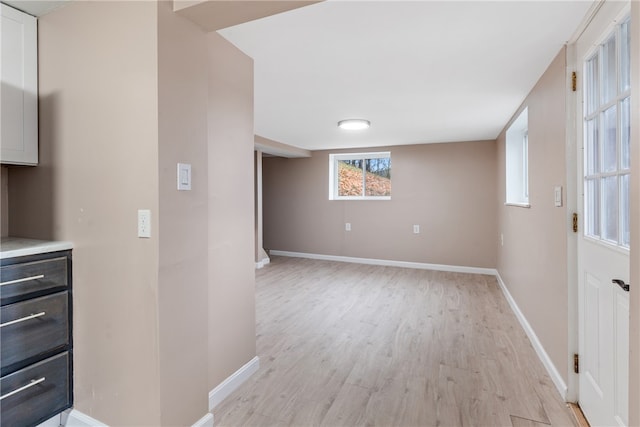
point(44, 392)
point(36, 346)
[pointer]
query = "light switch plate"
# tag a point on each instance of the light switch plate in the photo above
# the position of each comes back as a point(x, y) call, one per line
point(184, 176)
point(557, 196)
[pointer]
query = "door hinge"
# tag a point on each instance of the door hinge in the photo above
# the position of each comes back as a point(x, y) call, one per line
point(575, 223)
point(574, 81)
point(576, 363)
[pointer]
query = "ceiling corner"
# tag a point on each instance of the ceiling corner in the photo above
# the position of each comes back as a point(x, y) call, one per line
point(213, 15)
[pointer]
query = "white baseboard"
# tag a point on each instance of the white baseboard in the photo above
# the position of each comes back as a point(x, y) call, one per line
point(262, 263)
point(535, 342)
point(52, 422)
point(75, 418)
point(388, 263)
point(226, 387)
point(206, 421)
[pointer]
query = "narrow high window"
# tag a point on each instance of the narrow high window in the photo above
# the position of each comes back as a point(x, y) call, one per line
point(517, 161)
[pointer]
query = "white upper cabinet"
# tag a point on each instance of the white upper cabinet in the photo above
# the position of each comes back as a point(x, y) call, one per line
point(19, 92)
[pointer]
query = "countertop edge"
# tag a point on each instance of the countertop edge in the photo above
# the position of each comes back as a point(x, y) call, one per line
point(23, 247)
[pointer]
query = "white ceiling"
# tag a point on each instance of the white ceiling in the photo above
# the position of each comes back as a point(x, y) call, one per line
point(420, 71)
point(36, 7)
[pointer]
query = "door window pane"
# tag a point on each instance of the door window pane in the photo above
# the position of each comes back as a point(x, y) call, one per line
point(625, 55)
point(610, 208)
point(606, 139)
point(609, 141)
point(625, 118)
point(591, 85)
point(593, 147)
point(592, 196)
point(624, 206)
point(609, 70)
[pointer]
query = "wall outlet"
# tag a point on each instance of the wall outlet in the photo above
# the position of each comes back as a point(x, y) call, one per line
point(416, 229)
point(347, 226)
point(144, 223)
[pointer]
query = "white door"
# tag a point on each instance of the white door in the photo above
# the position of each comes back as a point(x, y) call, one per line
point(603, 242)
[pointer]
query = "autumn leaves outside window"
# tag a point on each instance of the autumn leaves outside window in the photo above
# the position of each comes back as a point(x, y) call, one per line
point(360, 176)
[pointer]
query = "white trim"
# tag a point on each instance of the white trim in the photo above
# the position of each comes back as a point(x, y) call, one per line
point(360, 156)
point(571, 198)
point(389, 263)
point(518, 205)
point(262, 263)
point(55, 421)
point(535, 342)
point(334, 178)
point(228, 386)
point(206, 421)
point(362, 198)
point(75, 418)
point(586, 21)
point(516, 161)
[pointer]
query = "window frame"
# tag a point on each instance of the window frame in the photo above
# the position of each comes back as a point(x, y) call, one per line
point(517, 161)
point(334, 179)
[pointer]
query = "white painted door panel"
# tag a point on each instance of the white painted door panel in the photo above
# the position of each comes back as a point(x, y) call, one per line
point(603, 306)
point(604, 347)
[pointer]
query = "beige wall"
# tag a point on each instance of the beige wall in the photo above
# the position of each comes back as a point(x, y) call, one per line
point(533, 260)
point(448, 189)
point(183, 286)
point(231, 210)
point(127, 90)
point(99, 164)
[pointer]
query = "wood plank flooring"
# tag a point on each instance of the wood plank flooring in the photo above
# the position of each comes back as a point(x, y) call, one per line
point(359, 345)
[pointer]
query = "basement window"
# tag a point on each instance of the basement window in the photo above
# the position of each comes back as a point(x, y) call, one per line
point(517, 161)
point(360, 176)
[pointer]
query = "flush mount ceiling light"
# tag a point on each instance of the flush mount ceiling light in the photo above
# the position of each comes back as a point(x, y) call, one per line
point(354, 124)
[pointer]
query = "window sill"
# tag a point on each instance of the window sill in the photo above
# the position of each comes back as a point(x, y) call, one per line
point(361, 198)
point(518, 205)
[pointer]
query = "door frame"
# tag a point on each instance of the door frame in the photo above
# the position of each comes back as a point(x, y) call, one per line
point(573, 198)
point(634, 262)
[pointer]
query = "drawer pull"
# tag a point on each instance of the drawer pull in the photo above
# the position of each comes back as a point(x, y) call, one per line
point(23, 388)
point(22, 319)
point(24, 279)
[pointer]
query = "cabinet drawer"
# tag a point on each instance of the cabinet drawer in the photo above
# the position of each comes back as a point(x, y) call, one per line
point(36, 393)
point(19, 281)
point(32, 328)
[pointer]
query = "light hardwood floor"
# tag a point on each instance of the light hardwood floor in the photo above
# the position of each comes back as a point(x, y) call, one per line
point(359, 345)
